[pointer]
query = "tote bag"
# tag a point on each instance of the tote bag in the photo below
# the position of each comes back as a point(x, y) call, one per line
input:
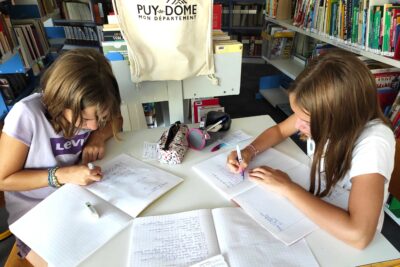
point(167, 39)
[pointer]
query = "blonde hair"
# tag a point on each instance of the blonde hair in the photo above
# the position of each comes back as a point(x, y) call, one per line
point(339, 93)
point(79, 79)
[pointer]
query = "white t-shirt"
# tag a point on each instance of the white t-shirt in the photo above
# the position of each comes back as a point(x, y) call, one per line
point(373, 153)
point(27, 122)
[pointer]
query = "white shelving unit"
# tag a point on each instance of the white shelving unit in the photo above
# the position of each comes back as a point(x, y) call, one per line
point(290, 67)
point(336, 42)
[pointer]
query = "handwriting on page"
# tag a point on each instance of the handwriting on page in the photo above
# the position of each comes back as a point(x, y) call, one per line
point(168, 241)
point(216, 261)
point(150, 151)
point(225, 177)
point(140, 178)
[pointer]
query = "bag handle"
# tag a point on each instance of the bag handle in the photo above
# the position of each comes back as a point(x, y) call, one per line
point(172, 131)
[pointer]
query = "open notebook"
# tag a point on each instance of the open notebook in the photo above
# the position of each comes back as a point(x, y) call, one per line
point(62, 228)
point(274, 212)
point(183, 239)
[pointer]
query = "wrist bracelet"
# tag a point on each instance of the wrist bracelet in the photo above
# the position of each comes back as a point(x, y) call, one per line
point(52, 178)
point(255, 150)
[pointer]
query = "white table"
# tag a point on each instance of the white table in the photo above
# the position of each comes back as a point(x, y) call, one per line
point(195, 193)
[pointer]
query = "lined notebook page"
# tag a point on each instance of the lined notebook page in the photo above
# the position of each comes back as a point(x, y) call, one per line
point(132, 185)
point(215, 171)
point(245, 243)
point(178, 239)
point(276, 214)
point(62, 230)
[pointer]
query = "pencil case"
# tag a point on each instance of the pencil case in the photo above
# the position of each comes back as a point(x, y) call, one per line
point(216, 125)
point(173, 144)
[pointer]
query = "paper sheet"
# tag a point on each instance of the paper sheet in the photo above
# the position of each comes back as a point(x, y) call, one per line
point(216, 261)
point(244, 243)
point(150, 151)
point(178, 239)
point(62, 230)
point(273, 212)
point(276, 214)
point(233, 138)
point(132, 185)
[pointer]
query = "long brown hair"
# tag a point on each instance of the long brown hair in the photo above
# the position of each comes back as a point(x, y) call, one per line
point(339, 93)
point(78, 79)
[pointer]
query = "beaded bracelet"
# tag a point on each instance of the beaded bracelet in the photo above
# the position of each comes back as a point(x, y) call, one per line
point(255, 150)
point(52, 178)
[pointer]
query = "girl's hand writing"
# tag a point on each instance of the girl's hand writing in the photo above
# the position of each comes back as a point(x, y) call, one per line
point(233, 163)
point(79, 174)
point(275, 180)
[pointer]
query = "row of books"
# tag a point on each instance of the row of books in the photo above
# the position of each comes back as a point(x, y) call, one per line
point(80, 34)
point(200, 108)
point(278, 9)
point(252, 46)
point(8, 40)
point(243, 15)
point(372, 25)
point(278, 42)
point(32, 40)
point(12, 85)
point(45, 7)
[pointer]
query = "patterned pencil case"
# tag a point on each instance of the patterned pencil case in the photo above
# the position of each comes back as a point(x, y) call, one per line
point(173, 144)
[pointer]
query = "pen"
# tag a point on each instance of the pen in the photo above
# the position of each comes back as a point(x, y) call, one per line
point(93, 211)
point(215, 124)
point(90, 166)
point(239, 155)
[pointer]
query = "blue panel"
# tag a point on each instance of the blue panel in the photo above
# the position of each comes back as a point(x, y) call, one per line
point(24, 12)
point(54, 32)
point(271, 81)
point(3, 108)
point(12, 65)
point(114, 56)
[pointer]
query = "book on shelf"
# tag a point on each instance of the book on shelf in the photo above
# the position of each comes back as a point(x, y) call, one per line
point(217, 16)
point(203, 110)
point(80, 33)
point(279, 9)
point(33, 8)
point(81, 10)
point(280, 217)
point(128, 187)
point(227, 46)
point(196, 103)
point(218, 35)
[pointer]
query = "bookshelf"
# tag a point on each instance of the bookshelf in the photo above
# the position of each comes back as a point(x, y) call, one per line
point(336, 42)
point(243, 20)
point(27, 48)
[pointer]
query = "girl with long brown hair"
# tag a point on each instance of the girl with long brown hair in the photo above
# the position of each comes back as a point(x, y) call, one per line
point(335, 104)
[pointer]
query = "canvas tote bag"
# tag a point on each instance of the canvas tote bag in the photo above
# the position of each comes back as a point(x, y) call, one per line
point(167, 39)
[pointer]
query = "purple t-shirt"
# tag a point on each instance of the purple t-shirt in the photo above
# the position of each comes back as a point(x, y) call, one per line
point(27, 122)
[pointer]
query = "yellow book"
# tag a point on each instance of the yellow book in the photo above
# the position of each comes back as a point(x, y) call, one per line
point(228, 46)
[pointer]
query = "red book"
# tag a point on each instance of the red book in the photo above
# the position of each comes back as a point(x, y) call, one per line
point(217, 16)
point(201, 103)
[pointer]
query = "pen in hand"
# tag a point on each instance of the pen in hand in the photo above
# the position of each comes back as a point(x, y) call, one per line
point(93, 211)
point(240, 160)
